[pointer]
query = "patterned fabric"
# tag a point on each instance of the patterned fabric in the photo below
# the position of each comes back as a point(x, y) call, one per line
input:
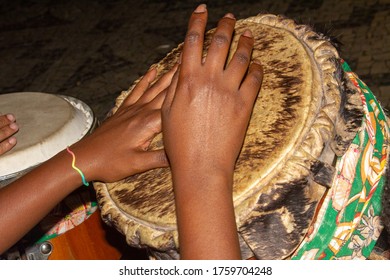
point(71, 212)
point(348, 221)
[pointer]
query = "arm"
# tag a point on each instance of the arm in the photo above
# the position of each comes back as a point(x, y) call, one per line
point(8, 127)
point(117, 149)
point(205, 117)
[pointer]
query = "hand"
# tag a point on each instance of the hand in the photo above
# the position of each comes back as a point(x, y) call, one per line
point(8, 127)
point(119, 147)
point(208, 107)
point(204, 118)
point(115, 150)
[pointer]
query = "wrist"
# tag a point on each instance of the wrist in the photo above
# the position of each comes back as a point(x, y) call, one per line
point(75, 168)
point(202, 179)
point(207, 169)
point(85, 160)
point(205, 214)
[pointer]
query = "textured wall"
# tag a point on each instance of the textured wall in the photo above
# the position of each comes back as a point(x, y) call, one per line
point(93, 50)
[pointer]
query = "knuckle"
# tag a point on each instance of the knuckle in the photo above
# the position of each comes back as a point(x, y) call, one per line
point(4, 147)
point(152, 119)
point(242, 57)
point(256, 76)
point(192, 37)
point(3, 121)
point(161, 158)
point(4, 133)
point(220, 39)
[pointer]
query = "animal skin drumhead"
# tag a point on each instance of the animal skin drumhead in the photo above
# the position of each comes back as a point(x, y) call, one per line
point(291, 133)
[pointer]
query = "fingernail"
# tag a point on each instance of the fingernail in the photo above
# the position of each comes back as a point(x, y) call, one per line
point(10, 117)
point(248, 33)
point(12, 140)
point(229, 15)
point(14, 126)
point(201, 8)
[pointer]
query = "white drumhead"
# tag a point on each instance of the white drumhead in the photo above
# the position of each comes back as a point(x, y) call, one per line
point(47, 123)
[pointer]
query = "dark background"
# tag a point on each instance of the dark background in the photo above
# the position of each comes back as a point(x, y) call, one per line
point(93, 50)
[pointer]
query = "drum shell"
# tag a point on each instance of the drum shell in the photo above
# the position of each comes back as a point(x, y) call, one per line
point(276, 211)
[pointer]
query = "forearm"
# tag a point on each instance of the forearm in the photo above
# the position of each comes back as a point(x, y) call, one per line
point(205, 216)
point(122, 140)
point(26, 201)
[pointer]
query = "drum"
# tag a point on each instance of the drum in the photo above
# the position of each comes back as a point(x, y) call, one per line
point(47, 123)
point(90, 240)
point(297, 192)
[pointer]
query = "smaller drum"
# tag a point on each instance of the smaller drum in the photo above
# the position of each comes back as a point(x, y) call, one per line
point(48, 123)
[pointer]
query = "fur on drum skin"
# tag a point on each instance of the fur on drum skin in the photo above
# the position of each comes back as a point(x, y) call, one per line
point(283, 209)
point(386, 203)
point(350, 114)
point(353, 116)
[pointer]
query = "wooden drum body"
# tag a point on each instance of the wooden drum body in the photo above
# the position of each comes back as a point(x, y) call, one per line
point(306, 116)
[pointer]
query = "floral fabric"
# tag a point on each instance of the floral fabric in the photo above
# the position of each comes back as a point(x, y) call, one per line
point(71, 212)
point(348, 221)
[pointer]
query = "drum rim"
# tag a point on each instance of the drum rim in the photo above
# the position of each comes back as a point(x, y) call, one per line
point(321, 50)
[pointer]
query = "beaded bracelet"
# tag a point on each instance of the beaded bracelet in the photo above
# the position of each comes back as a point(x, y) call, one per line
point(75, 168)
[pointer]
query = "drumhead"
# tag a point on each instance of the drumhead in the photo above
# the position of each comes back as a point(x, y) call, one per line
point(47, 123)
point(290, 140)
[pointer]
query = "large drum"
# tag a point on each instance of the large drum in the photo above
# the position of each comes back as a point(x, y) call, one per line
point(49, 123)
point(308, 181)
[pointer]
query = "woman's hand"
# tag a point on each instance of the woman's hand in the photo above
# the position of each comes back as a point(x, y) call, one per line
point(208, 107)
point(119, 147)
point(205, 117)
point(8, 127)
point(115, 150)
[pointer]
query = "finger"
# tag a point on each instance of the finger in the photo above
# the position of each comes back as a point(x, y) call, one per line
point(171, 92)
point(162, 84)
point(7, 145)
point(6, 120)
point(149, 160)
point(252, 82)
point(158, 101)
point(193, 42)
point(140, 88)
point(8, 130)
point(220, 43)
point(150, 124)
point(239, 63)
